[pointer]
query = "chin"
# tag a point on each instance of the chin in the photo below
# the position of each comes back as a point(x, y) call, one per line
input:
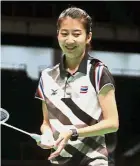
point(71, 56)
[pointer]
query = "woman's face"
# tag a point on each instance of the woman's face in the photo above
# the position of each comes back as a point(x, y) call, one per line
point(72, 37)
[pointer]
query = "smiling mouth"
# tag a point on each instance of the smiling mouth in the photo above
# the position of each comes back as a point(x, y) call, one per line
point(70, 48)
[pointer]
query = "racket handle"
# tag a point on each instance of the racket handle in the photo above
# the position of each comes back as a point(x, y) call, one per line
point(36, 137)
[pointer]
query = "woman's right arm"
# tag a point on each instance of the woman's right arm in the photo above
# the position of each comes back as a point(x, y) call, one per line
point(47, 140)
point(46, 123)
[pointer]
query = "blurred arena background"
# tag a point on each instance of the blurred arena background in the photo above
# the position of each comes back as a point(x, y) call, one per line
point(29, 44)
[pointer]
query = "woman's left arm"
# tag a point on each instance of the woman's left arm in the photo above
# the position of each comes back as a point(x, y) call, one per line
point(110, 120)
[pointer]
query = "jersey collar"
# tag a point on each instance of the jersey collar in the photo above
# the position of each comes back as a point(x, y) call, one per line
point(82, 67)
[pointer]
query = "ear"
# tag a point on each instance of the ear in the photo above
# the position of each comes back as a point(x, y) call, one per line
point(89, 37)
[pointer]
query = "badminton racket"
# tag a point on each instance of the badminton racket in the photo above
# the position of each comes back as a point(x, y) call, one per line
point(4, 116)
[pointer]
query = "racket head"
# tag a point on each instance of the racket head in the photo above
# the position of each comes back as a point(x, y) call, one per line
point(4, 115)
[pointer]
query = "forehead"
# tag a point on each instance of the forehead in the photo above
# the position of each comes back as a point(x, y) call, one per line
point(69, 23)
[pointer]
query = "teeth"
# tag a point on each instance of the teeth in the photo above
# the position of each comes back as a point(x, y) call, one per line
point(70, 47)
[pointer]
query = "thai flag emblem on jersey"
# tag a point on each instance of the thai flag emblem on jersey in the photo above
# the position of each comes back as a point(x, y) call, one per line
point(83, 89)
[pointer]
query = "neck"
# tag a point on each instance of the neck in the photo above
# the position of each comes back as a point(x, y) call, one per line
point(73, 63)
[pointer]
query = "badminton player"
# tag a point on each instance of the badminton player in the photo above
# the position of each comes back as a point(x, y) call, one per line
point(78, 98)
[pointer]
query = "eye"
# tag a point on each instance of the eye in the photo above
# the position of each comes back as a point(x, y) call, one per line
point(64, 34)
point(76, 34)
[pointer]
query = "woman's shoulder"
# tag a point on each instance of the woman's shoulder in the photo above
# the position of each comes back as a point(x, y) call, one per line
point(50, 69)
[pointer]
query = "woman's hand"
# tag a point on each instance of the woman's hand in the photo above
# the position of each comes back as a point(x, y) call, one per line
point(60, 143)
point(47, 141)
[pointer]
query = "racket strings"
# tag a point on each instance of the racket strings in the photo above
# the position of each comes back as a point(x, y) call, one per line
point(3, 115)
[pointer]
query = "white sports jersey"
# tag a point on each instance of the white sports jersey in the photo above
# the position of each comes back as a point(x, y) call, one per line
point(72, 103)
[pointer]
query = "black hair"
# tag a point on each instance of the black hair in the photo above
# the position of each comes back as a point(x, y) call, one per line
point(76, 13)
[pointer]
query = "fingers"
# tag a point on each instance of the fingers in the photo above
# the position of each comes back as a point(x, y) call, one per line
point(57, 142)
point(57, 152)
point(60, 143)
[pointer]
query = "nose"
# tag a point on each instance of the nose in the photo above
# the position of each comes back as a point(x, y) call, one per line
point(70, 40)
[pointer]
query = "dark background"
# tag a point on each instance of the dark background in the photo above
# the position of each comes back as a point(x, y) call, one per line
point(17, 89)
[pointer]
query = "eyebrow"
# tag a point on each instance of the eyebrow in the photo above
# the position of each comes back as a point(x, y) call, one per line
point(75, 30)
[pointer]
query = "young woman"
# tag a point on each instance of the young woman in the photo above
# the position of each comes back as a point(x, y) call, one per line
point(78, 98)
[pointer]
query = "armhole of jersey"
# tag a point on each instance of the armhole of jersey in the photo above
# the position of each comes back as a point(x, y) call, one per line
point(40, 90)
point(98, 75)
point(95, 75)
